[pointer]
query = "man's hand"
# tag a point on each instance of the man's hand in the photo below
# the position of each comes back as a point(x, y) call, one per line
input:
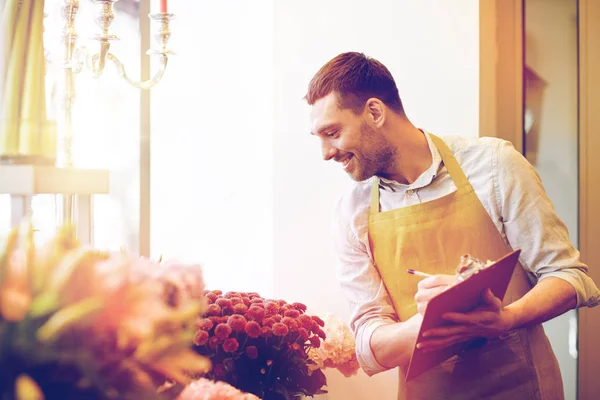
point(487, 321)
point(430, 287)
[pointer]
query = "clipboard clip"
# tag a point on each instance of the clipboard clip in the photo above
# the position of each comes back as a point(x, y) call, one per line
point(469, 266)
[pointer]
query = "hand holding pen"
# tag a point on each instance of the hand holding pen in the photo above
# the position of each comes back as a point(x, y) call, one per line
point(430, 287)
point(418, 273)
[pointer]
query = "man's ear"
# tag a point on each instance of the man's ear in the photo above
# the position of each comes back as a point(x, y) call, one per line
point(376, 111)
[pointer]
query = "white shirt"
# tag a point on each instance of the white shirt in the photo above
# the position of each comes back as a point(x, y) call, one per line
point(511, 192)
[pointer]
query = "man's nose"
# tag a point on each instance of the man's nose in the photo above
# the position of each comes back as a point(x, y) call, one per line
point(328, 151)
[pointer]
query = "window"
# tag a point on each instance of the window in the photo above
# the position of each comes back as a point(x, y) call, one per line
point(106, 127)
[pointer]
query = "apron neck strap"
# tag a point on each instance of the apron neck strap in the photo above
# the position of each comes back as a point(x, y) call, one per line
point(456, 173)
point(374, 196)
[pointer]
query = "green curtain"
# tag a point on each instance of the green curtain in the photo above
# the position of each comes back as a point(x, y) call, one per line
point(25, 132)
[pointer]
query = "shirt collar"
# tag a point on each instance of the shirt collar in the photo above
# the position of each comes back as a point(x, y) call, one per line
point(425, 178)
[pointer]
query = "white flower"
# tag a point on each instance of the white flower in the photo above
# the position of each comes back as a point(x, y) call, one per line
point(337, 350)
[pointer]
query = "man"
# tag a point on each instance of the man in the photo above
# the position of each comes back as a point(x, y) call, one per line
point(421, 202)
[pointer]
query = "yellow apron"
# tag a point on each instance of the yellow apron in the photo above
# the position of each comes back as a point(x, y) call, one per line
point(431, 237)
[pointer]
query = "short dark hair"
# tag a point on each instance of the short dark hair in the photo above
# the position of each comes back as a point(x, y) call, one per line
point(355, 78)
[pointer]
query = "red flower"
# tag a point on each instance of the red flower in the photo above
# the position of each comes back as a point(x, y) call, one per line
point(292, 313)
point(305, 321)
point(280, 329)
point(200, 338)
point(266, 331)
point(268, 321)
point(223, 303)
point(226, 306)
point(211, 297)
point(215, 320)
point(291, 323)
point(252, 352)
point(230, 295)
point(213, 310)
point(299, 306)
point(295, 346)
point(318, 320)
point(271, 307)
point(240, 308)
point(253, 329)
point(255, 313)
point(277, 317)
point(217, 292)
point(219, 370)
point(204, 324)
point(230, 345)
point(303, 333)
point(213, 342)
point(257, 300)
point(315, 341)
point(222, 331)
point(236, 300)
point(237, 322)
point(320, 332)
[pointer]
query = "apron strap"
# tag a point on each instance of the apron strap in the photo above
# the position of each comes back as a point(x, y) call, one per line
point(375, 196)
point(456, 173)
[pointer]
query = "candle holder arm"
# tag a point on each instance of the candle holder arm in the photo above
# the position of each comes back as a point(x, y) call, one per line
point(144, 85)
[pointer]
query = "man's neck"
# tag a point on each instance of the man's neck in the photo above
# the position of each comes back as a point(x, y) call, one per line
point(414, 156)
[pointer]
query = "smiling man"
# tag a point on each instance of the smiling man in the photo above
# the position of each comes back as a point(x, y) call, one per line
point(421, 201)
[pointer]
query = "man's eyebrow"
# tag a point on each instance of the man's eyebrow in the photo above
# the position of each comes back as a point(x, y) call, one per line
point(324, 128)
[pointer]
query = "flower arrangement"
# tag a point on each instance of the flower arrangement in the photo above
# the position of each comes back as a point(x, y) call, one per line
point(338, 350)
point(79, 323)
point(260, 346)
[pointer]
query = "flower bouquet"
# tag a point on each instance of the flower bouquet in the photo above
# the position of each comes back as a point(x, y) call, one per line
point(260, 346)
point(78, 323)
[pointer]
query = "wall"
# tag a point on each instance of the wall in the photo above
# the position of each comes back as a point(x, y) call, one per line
point(432, 49)
point(237, 181)
point(211, 138)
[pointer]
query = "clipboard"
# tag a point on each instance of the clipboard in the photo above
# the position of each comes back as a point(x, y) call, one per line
point(462, 297)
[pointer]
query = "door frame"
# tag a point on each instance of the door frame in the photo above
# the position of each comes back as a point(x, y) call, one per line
point(589, 188)
point(501, 106)
point(501, 55)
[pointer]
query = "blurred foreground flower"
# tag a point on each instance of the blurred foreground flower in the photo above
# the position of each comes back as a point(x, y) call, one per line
point(204, 389)
point(77, 323)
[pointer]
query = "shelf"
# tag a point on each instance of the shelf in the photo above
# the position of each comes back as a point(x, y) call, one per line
point(27, 180)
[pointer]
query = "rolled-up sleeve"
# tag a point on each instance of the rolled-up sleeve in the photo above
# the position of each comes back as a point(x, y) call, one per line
point(532, 225)
point(361, 285)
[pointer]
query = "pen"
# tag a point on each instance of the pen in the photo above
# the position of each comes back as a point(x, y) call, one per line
point(413, 272)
